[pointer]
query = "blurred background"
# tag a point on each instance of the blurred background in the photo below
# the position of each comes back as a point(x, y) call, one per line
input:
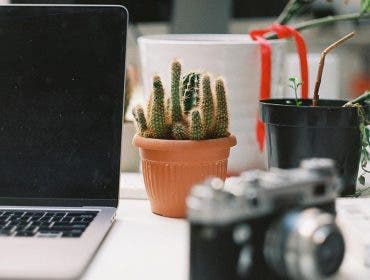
point(346, 73)
point(348, 70)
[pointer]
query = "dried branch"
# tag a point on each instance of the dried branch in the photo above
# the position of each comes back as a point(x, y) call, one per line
point(362, 97)
point(315, 99)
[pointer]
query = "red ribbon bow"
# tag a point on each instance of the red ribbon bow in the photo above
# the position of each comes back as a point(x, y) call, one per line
point(282, 31)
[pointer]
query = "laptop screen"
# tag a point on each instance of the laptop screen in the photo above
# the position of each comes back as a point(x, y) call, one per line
point(61, 92)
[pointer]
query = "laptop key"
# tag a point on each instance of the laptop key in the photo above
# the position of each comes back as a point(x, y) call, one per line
point(49, 234)
point(61, 224)
point(45, 219)
point(73, 233)
point(71, 227)
point(9, 228)
point(25, 233)
point(6, 232)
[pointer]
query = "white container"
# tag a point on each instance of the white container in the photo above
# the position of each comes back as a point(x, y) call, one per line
point(130, 158)
point(234, 57)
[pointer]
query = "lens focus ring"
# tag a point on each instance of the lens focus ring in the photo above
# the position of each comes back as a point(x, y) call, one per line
point(304, 245)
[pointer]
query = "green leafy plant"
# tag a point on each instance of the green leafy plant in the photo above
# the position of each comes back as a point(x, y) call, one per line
point(294, 84)
point(365, 6)
point(192, 111)
point(296, 7)
point(365, 136)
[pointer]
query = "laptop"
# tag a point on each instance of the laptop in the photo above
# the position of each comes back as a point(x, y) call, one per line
point(61, 94)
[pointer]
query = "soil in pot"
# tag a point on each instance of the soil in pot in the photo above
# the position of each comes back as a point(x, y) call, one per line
point(329, 130)
point(172, 167)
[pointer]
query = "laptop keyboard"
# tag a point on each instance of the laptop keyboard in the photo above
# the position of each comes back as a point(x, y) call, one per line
point(27, 223)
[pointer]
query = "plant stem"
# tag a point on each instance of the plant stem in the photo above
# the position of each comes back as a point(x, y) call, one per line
point(315, 99)
point(362, 97)
point(322, 21)
point(328, 20)
point(291, 9)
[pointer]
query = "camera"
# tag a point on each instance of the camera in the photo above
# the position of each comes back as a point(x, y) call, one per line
point(267, 225)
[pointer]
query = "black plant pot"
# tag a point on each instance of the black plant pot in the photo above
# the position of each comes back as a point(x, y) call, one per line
point(329, 130)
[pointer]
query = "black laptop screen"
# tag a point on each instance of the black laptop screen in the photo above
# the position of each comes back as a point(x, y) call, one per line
point(61, 87)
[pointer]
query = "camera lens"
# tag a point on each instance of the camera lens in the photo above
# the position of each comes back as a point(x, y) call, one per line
point(304, 244)
point(330, 253)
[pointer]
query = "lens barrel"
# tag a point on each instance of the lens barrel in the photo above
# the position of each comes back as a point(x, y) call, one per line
point(304, 244)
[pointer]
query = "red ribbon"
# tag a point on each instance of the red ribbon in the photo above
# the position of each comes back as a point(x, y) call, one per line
point(282, 31)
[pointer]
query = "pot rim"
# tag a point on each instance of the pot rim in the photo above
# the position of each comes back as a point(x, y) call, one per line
point(270, 102)
point(203, 39)
point(275, 112)
point(175, 145)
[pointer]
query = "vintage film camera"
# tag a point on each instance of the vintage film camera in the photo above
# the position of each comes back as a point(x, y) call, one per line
point(268, 225)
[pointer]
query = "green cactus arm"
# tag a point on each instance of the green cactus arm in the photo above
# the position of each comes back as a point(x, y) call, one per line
point(175, 105)
point(157, 122)
point(180, 131)
point(196, 126)
point(149, 106)
point(207, 105)
point(167, 110)
point(140, 121)
point(222, 116)
point(190, 91)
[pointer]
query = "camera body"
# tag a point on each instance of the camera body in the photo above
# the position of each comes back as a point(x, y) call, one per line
point(267, 225)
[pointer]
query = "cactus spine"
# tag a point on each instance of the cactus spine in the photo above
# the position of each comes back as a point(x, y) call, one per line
point(190, 91)
point(157, 121)
point(222, 117)
point(196, 126)
point(175, 105)
point(207, 106)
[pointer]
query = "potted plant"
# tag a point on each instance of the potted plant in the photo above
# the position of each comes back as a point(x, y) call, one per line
point(183, 138)
point(304, 128)
point(238, 60)
point(130, 158)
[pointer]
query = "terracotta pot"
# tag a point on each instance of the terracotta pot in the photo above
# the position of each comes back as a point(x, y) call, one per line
point(171, 168)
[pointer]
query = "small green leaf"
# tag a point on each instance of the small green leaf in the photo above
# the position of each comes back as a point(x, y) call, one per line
point(361, 179)
point(367, 132)
point(365, 6)
point(292, 79)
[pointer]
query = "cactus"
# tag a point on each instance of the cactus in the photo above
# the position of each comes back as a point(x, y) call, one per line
point(222, 116)
point(180, 131)
point(157, 122)
point(138, 113)
point(207, 106)
point(175, 105)
point(190, 91)
point(196, 127)
point(194, 114)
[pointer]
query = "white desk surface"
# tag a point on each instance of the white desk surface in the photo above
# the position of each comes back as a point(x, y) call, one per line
point(142, 245)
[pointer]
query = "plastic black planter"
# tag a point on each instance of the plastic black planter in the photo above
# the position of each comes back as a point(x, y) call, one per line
point(328, 130)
